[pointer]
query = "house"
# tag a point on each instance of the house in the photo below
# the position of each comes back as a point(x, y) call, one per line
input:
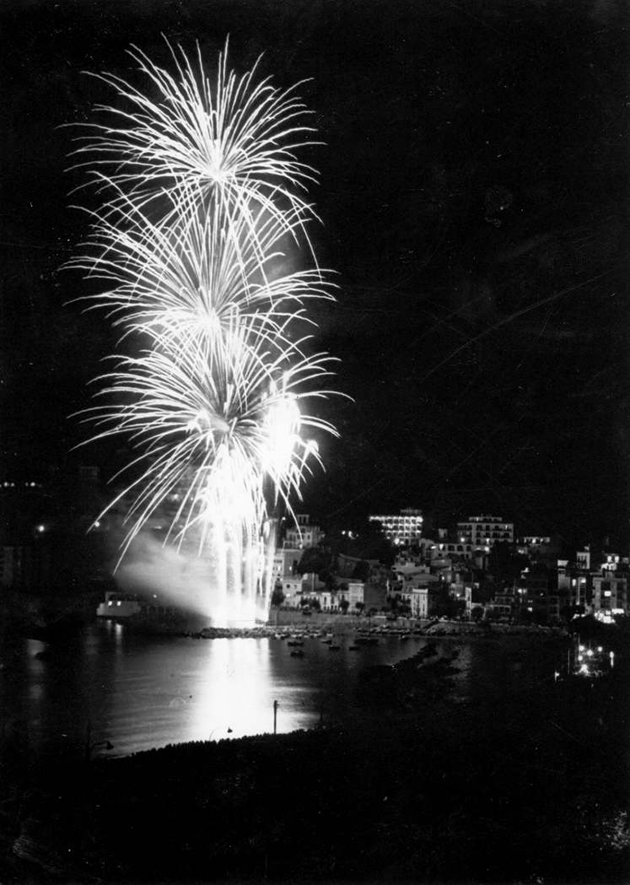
point(356, 594)
point(303, 534)
point(418, 601)
point(292, 590)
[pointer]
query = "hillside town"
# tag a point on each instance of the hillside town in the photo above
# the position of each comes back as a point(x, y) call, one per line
point(479, 570)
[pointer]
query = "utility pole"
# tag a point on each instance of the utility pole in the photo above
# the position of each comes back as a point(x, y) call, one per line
point(275, 716)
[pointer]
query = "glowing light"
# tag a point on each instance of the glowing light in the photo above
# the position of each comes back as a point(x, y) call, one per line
point(196, 247)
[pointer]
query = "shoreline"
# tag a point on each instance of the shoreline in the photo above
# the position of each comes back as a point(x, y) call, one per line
point(370, 801)
point(407, 629)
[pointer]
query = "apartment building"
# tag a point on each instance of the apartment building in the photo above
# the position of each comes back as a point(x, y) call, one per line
point(484, 531)
point(403, 528)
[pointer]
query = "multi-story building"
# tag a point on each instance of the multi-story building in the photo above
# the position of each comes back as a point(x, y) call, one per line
point(484, 531)
point(610, 595)
point(533, 542)
point(291, 588)
point(575, 586)
point(403, 529)
point(418, 601)
point(286, 559)
point(596, 583)
point(303, 534)
point(613, 562)
point(539, 590)
point(454, 550)
point(285, 563)
point(584, 559)
point(505, 604)
point(356, 594)
point(539, 548)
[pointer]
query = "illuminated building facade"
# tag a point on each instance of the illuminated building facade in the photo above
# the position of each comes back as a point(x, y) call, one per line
point(484, 531)
point(610, 594)
point(404, 528)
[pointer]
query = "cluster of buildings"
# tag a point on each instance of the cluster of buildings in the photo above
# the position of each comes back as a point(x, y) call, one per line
point(478, 569)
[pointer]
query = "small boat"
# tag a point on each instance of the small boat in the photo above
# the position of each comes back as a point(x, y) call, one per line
point(296, 643)
point(118, 605)
point(334, 647)
point(353, 648)
point(298, 653)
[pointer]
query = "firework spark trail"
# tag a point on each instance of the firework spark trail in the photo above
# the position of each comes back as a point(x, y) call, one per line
point(231, 145)
point(189, 275)
point(204, 204)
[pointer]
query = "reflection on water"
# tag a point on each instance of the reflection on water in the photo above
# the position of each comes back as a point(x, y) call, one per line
point(139, 692)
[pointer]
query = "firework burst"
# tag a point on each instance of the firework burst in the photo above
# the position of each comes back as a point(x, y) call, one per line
point(195, 246)
point(226, 145)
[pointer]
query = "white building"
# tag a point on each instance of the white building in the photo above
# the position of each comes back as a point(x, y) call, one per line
point(418, 599)
point(583, 558)
point(356, 594)
point(484, 531)
point(292, 589)
point(610, 594)
point(612, 561)
point(404, 528)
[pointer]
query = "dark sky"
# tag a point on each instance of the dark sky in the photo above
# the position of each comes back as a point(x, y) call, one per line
point(474, 198)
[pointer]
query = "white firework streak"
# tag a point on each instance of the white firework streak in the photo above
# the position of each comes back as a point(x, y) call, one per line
point(192, 277)
point(232, 421)
point(231, 143)
point(204, 203)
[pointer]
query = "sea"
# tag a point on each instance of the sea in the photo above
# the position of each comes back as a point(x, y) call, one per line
point(110, 691)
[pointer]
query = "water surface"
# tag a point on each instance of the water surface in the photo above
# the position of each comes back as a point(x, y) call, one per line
point(110, 685)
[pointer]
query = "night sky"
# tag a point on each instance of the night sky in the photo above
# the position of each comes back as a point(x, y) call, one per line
point(473, 193)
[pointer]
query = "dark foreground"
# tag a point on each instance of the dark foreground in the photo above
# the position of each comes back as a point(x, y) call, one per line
point(417, 788)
